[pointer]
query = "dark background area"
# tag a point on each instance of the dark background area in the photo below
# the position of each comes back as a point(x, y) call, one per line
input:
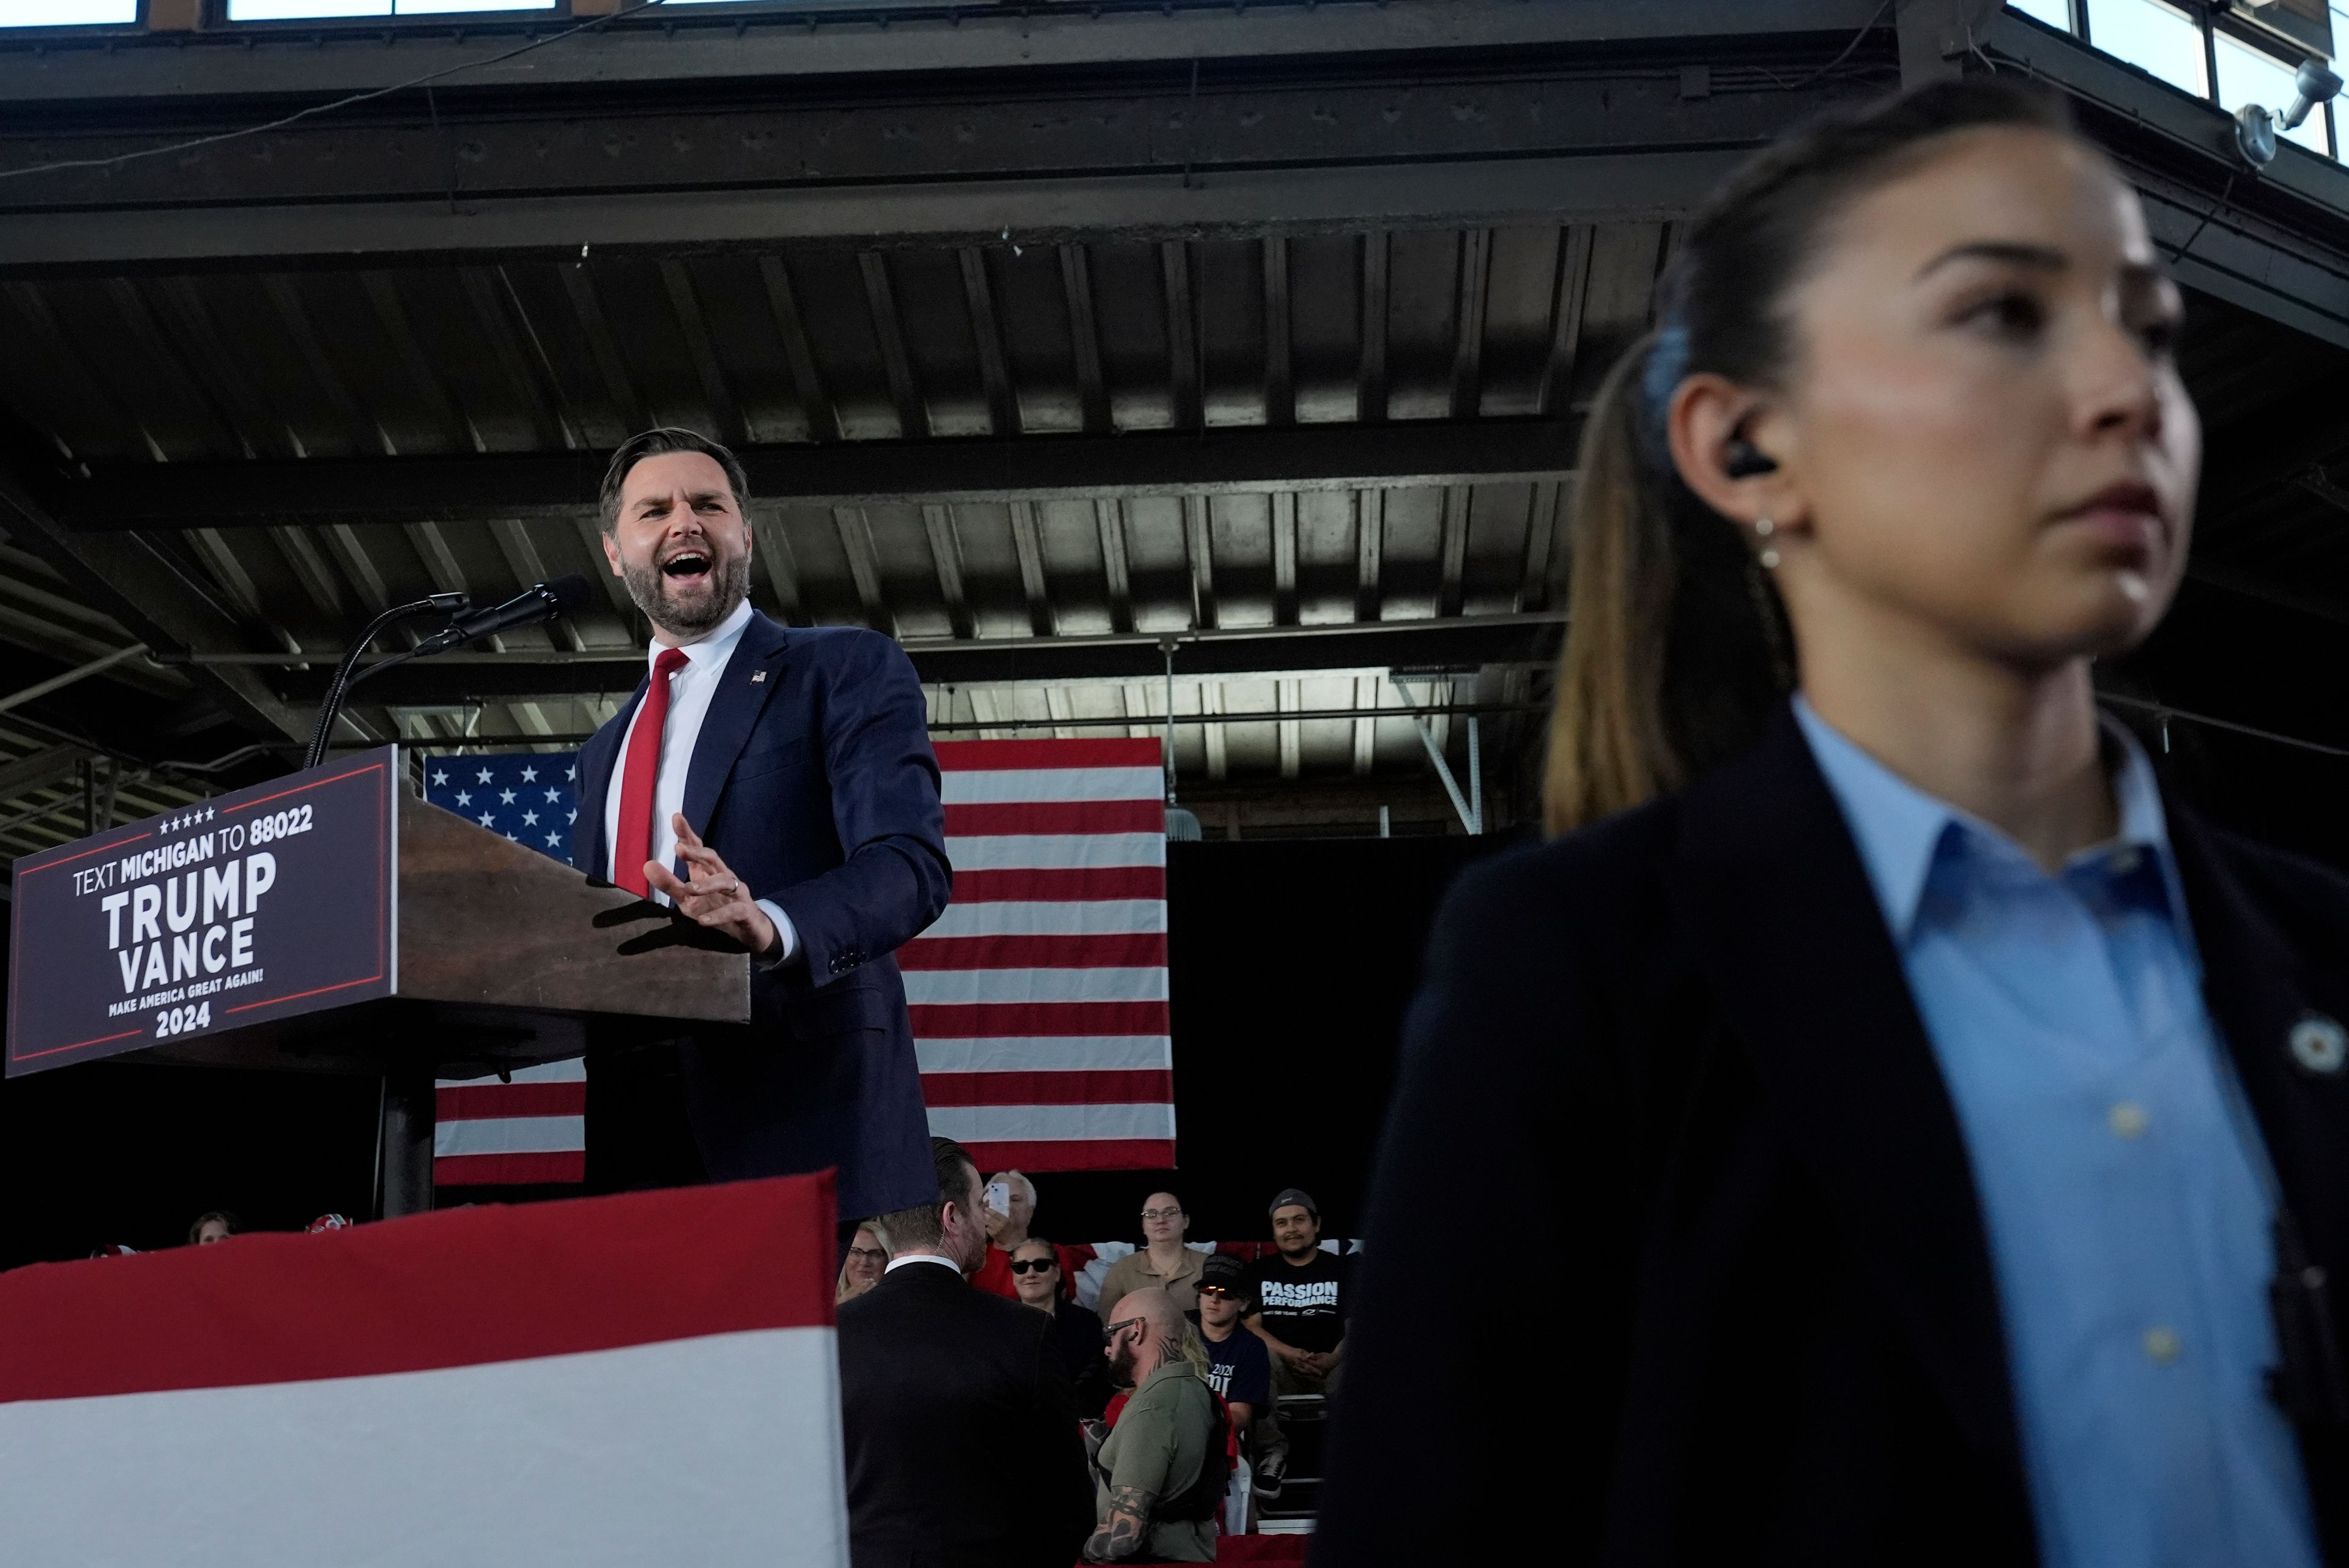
point(1292, 963)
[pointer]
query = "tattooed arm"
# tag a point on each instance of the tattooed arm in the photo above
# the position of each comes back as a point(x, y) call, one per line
point(1125, 1528)
point(1139, 1455)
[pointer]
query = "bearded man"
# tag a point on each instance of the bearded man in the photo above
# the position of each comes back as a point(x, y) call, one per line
point(775, 785)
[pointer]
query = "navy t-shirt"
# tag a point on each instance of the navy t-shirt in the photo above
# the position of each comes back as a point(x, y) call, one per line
point(1239, 1368)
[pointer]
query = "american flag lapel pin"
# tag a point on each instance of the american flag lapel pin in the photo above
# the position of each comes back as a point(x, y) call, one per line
point(757, 675)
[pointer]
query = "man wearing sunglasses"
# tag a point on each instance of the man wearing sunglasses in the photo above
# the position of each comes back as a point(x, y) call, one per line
point(1077, 1338)
point(1160, 1469)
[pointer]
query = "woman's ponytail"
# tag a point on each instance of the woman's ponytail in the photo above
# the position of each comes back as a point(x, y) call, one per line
point(1607, 746)
point(1676, 645)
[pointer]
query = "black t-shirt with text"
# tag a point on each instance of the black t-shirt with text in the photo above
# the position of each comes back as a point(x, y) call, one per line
point(1303, 1308)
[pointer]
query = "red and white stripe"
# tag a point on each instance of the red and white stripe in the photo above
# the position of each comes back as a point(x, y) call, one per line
point(651, 1377)
point(1039, 998)
point(489, 1133)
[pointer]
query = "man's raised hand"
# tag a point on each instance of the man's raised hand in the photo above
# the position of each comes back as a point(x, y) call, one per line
point(713, 895)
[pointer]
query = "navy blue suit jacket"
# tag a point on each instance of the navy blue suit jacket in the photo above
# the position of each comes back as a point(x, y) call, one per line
point(814, 778)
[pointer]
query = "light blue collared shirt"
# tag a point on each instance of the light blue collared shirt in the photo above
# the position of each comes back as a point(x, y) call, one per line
point(2124, 1189)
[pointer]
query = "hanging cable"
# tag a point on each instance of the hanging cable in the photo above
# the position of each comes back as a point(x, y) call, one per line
point(315, 110)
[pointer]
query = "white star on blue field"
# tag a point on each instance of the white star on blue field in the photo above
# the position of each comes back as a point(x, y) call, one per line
point(529, 796)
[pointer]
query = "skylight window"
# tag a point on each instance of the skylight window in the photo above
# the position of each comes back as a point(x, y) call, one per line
point(320, 10)
point(2154, 37)
point(67, 13)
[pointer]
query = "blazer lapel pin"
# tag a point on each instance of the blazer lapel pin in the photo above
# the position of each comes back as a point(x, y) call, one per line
point(757, 675)
point(2318, 1044)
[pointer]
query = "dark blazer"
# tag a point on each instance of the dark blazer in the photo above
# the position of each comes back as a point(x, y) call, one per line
point(1680, 1050)
point(814, 778)
point(1079, 1341)
point(961, 1434)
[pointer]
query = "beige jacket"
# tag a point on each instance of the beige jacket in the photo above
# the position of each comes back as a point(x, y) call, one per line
point(1133, 1273)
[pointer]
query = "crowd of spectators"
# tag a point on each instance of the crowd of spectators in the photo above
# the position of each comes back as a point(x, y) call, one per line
point(972, 1373)
point(1137, 1430)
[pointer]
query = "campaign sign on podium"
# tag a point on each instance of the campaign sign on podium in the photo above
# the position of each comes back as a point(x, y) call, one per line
point(274, 900)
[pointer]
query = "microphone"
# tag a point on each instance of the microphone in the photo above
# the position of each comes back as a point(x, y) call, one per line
point(566, 595)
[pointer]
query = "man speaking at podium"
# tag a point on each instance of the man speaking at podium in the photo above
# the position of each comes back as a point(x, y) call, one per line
point(775, 785)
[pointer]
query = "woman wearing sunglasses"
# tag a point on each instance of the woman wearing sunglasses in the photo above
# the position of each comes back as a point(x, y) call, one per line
point(1078, 1339)
point(1949, 1128)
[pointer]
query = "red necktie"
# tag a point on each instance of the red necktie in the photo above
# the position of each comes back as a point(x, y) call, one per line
point(632, 845)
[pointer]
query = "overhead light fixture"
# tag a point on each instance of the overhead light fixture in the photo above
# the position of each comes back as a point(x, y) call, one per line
point(2256, 126)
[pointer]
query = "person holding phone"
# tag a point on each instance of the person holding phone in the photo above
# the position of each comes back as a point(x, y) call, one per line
point(1009, 1206)
point(1953, 1122)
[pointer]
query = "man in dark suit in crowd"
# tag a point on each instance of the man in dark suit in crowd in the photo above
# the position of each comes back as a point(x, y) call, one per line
point(961, 1425)
point(776, 784)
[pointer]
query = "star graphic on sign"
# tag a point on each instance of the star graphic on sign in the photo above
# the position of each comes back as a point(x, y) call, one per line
point(554, 841)
point(571, 816)
point(512, 839)
point(485, 775)
point(505, 797)
point(440, 776)
point(464, 797)
point(488, 821)
point(571, 773)
point(530, 775)
point(553, 794)
point(530, 819)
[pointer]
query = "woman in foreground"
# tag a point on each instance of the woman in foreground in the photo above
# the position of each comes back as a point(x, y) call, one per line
point(1898, 1108)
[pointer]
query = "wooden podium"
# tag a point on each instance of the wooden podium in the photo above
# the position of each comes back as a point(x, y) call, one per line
point(496, 957)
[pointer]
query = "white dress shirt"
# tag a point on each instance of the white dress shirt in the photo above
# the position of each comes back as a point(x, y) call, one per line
point(897, 1264)
point(689, 691)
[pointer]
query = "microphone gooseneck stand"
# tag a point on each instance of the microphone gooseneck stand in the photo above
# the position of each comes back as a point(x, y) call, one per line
point(534, 604)
point(339, 687)
point(404, 1115)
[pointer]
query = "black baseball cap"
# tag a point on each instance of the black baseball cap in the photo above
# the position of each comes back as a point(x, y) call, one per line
point(1225, 1272)
point(1299, 1198)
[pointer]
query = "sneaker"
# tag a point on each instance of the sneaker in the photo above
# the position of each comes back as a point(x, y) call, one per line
point(1268, 1478)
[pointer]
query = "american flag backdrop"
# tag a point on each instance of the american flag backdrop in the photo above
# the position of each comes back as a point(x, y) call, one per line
point(1040, 997)
point(1039, 1000)
point(488, 1133)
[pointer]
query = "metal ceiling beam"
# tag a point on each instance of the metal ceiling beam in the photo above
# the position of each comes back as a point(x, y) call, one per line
point(1084, 338)
point(1369, 546)
point(1200, 549)
point(155, 599)
point(1279, 378)
point(1416, 644)
point(1109, 516)
point(987, 339)
point(888, 332)
point(485, 487)
point(1370, 374)
point(699, 346)
point(43, 768)
point(1308, 155)
point(798, 48)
